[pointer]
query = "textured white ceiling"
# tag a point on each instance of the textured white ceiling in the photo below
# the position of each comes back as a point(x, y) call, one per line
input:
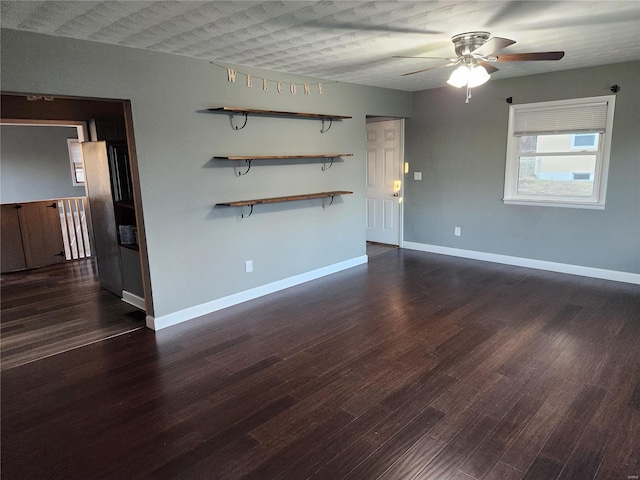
point(345, 40)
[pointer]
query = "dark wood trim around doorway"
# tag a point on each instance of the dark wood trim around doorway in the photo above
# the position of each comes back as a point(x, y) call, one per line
point(16, 107)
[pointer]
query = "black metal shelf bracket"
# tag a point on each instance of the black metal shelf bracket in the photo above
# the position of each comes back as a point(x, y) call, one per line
point(248, 162)
point(242, 215)
point(329, 204)
point(325, 167)
point(322, 130)
point(246, 116)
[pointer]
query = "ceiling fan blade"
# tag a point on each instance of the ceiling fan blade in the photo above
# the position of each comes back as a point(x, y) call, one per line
point(488, 67)
point(430, 68)
point(529, 57)
point(492, 46)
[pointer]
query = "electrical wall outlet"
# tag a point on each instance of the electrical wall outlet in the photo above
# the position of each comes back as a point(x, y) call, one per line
point(248, 266)
point(457, 231)
point(417, 175)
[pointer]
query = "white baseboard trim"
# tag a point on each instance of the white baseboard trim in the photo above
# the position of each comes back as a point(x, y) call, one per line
point(614, 275)
point(164, 321)
point(132, 299)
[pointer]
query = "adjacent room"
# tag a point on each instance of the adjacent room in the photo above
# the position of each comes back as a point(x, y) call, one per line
point(59, 288)
point(328, 240)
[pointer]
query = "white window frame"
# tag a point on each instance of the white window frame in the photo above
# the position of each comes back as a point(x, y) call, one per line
point(601, 173)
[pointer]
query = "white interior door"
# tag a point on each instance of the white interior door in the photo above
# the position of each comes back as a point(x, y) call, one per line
point(384, 181)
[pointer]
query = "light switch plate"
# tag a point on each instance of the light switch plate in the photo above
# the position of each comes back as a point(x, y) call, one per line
point(417, 175)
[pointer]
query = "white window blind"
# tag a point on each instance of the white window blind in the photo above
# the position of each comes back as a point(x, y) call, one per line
point(561, 119)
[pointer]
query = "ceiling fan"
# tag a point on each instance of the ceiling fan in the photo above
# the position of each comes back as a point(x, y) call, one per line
point(475, 53)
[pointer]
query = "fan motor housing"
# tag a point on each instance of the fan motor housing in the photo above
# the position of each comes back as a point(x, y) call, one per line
point(465, 43)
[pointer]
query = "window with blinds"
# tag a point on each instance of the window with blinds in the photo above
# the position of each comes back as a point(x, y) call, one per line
point(558, 152)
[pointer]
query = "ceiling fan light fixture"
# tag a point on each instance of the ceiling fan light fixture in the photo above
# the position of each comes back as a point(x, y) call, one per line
point(475, 53)
point(459, 77)
point(478, 75)
point(469, 75)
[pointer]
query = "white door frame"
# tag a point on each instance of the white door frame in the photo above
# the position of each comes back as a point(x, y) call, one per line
point(401, 173)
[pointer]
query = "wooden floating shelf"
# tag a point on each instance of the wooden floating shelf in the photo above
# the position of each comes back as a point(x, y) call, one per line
point(284, 157)
point(249, 158)
point(276, 113)
point(289, 198)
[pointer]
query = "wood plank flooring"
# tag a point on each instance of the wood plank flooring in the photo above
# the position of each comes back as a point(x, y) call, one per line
point(414, 366)
point(52, 309)
point(375, 248)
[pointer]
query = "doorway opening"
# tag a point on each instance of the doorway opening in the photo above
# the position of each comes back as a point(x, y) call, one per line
point(384, 183)
point(55, 308)
point(37, 188)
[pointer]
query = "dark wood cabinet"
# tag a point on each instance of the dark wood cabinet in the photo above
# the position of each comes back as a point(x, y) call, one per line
point(108, 129)
point(31, 235)
point(110, 192)
point(12, 249)
point(112, 132)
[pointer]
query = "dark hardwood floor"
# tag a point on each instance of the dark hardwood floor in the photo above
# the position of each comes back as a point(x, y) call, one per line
point(52, 309)
point(375, 248)
point(415, 366)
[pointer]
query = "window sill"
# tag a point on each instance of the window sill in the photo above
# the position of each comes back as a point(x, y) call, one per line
point(542, 203)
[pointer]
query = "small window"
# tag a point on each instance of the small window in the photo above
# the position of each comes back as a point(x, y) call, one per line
point(582, 141)
point(558, 153)
point(75, 157)
point(583, 176)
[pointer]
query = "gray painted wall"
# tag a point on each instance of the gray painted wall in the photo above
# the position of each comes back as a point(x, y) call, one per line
point(35, 164)
point(197, 253)
point(461, 150)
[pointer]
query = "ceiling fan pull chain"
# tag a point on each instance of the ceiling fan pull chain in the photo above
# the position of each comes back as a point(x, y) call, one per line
point(468, 94)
